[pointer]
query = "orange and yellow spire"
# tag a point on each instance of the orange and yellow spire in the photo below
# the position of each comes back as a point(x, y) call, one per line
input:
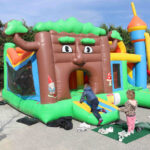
point(136, 23)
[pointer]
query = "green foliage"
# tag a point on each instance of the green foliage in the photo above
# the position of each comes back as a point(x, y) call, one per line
point(88, 41)
point(148, 30)
point(116, 35)
point(70, 25)
point(1, 63)
point(105, 27)
point(66, 39)
point(123, 33)
point(29, 36)
point(15, 26)
point(1, 47)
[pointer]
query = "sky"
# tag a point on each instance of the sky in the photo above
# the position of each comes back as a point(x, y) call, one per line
point(110, 12)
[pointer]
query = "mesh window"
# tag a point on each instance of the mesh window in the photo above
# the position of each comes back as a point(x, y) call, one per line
point(21, 81)
point(116, 76)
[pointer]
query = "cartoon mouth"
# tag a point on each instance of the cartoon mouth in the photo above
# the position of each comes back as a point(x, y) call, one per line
point(80, 64)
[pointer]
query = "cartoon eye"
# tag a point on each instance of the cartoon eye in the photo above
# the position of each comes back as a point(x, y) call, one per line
point(88, 49)
point(66, 49)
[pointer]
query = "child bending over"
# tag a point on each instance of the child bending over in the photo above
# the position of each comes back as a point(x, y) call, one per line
point(92, 101)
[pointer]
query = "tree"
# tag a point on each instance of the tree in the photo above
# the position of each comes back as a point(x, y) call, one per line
point(123, 33)
point(29, 36)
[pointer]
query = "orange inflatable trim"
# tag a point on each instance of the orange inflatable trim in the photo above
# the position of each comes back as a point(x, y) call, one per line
point(136, 21)
point(17, 55)
point(139, 40)
point(131, 65)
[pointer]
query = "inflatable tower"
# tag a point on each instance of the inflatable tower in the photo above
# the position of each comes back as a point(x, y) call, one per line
point(137, 29)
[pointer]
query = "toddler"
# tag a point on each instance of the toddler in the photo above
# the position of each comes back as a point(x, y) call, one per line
point(130, 111)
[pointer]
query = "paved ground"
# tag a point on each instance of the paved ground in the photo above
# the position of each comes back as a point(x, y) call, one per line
point(16, 136)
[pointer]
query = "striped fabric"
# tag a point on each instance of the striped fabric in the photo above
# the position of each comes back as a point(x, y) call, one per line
point(102, 104)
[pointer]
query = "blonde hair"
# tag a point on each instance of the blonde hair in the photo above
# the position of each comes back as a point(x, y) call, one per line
point(130, 94)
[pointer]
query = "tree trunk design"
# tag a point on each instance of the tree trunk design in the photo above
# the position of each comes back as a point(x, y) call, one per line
point(59, 65)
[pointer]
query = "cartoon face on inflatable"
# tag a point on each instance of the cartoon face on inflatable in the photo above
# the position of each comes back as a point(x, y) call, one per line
point(63, 47)
point(80, 52)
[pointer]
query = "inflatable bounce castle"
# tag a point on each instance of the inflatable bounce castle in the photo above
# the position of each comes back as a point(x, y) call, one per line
point(45, 78)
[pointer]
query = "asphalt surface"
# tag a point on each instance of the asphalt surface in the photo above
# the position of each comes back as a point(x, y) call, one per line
point(17, 136)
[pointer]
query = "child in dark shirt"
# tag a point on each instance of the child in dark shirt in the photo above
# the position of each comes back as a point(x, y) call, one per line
point(92, 101)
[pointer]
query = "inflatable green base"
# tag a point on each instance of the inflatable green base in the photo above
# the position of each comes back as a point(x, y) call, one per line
point(50, 112)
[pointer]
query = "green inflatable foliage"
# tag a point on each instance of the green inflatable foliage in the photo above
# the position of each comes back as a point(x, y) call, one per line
point(88, 41)
point(15, 26)
point(71, 25)
point(66, 39)
point(116, 35)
